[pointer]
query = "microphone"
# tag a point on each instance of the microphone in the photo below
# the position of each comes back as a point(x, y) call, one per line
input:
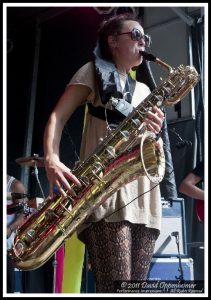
point(13, 196)
point(175, 233)
point(183, 143)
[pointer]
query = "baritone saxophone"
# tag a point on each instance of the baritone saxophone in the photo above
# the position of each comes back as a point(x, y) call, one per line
point(118, 160)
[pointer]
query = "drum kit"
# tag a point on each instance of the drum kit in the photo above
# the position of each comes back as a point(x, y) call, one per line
point(22, 201)
point(28, 206)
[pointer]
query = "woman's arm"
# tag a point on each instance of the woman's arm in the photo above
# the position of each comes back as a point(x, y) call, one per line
point(58, 174)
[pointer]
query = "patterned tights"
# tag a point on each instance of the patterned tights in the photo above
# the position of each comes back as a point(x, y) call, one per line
point(119, 251)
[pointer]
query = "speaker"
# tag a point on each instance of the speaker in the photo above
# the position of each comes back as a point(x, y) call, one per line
point(172, 238)
point(171, 269)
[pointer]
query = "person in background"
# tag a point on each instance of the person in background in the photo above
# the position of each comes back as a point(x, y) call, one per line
point(120, 238)
point(15, 217)
point(192, 186)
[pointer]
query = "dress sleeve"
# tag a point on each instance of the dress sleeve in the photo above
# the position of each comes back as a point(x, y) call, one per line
point(86, 76)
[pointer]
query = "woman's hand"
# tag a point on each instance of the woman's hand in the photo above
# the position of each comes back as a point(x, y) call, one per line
point(154, 120)
point(59, 176)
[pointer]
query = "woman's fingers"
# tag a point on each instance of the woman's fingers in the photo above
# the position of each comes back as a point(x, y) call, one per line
point(154, 119)
point(60, 178)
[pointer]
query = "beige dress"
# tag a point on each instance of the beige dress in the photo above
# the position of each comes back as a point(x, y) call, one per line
point(146, 208)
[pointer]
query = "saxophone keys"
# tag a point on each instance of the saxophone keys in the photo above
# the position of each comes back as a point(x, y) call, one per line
point(69, 209)
point(30, 235)
point(97, 167)
point(50, 214)
point(167, 90)
point(63, 230)
point(111, 151)
point(98, 178)
point(137, 122)
point(125, 134)
point(84, 180)
point(159, 99)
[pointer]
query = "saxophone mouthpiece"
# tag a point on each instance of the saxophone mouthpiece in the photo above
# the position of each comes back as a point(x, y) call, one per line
point(148, 56)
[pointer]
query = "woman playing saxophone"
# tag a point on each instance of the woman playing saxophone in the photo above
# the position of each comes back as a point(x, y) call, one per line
point(120, 234)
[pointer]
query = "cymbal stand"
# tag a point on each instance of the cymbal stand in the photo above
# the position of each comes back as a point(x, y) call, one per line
point(54, 263)
point(37, 178)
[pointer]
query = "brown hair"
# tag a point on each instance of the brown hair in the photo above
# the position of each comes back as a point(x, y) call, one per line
point(112, 26)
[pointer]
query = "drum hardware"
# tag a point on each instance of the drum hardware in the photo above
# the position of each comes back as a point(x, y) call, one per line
point(13, 208)
point(19, 202)
point(37, 178)
point(28, 206)
point(35, 161)
point(14, 196)
point(21, 206)
point(31, 161)
point(28, 210)
point(54, 264)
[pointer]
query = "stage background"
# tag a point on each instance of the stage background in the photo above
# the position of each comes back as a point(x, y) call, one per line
point(46, 45)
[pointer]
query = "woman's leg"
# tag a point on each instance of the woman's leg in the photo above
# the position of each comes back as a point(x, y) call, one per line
point(109, 248)
point(143, 243)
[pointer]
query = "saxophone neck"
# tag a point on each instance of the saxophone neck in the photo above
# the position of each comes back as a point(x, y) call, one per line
point(150, 57)
point(163, 64)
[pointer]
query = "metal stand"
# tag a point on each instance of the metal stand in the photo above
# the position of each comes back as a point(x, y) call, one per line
point(37, 178)
point(176, 235)
point(54, 263)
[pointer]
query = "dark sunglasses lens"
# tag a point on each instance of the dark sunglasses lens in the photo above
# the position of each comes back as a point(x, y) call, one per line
point(136, 34)
point(148, 40)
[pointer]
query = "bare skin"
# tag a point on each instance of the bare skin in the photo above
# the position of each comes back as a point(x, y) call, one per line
point(189, 188)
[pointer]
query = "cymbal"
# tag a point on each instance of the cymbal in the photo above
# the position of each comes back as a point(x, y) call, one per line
point(31, 161)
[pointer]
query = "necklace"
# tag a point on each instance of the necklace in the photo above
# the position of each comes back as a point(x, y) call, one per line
point(122, 74)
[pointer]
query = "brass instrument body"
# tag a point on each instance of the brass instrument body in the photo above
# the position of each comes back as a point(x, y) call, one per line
point(116, 161)
point(50, 224)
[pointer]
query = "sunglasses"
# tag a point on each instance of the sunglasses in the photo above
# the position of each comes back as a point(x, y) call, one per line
point(136, 35)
